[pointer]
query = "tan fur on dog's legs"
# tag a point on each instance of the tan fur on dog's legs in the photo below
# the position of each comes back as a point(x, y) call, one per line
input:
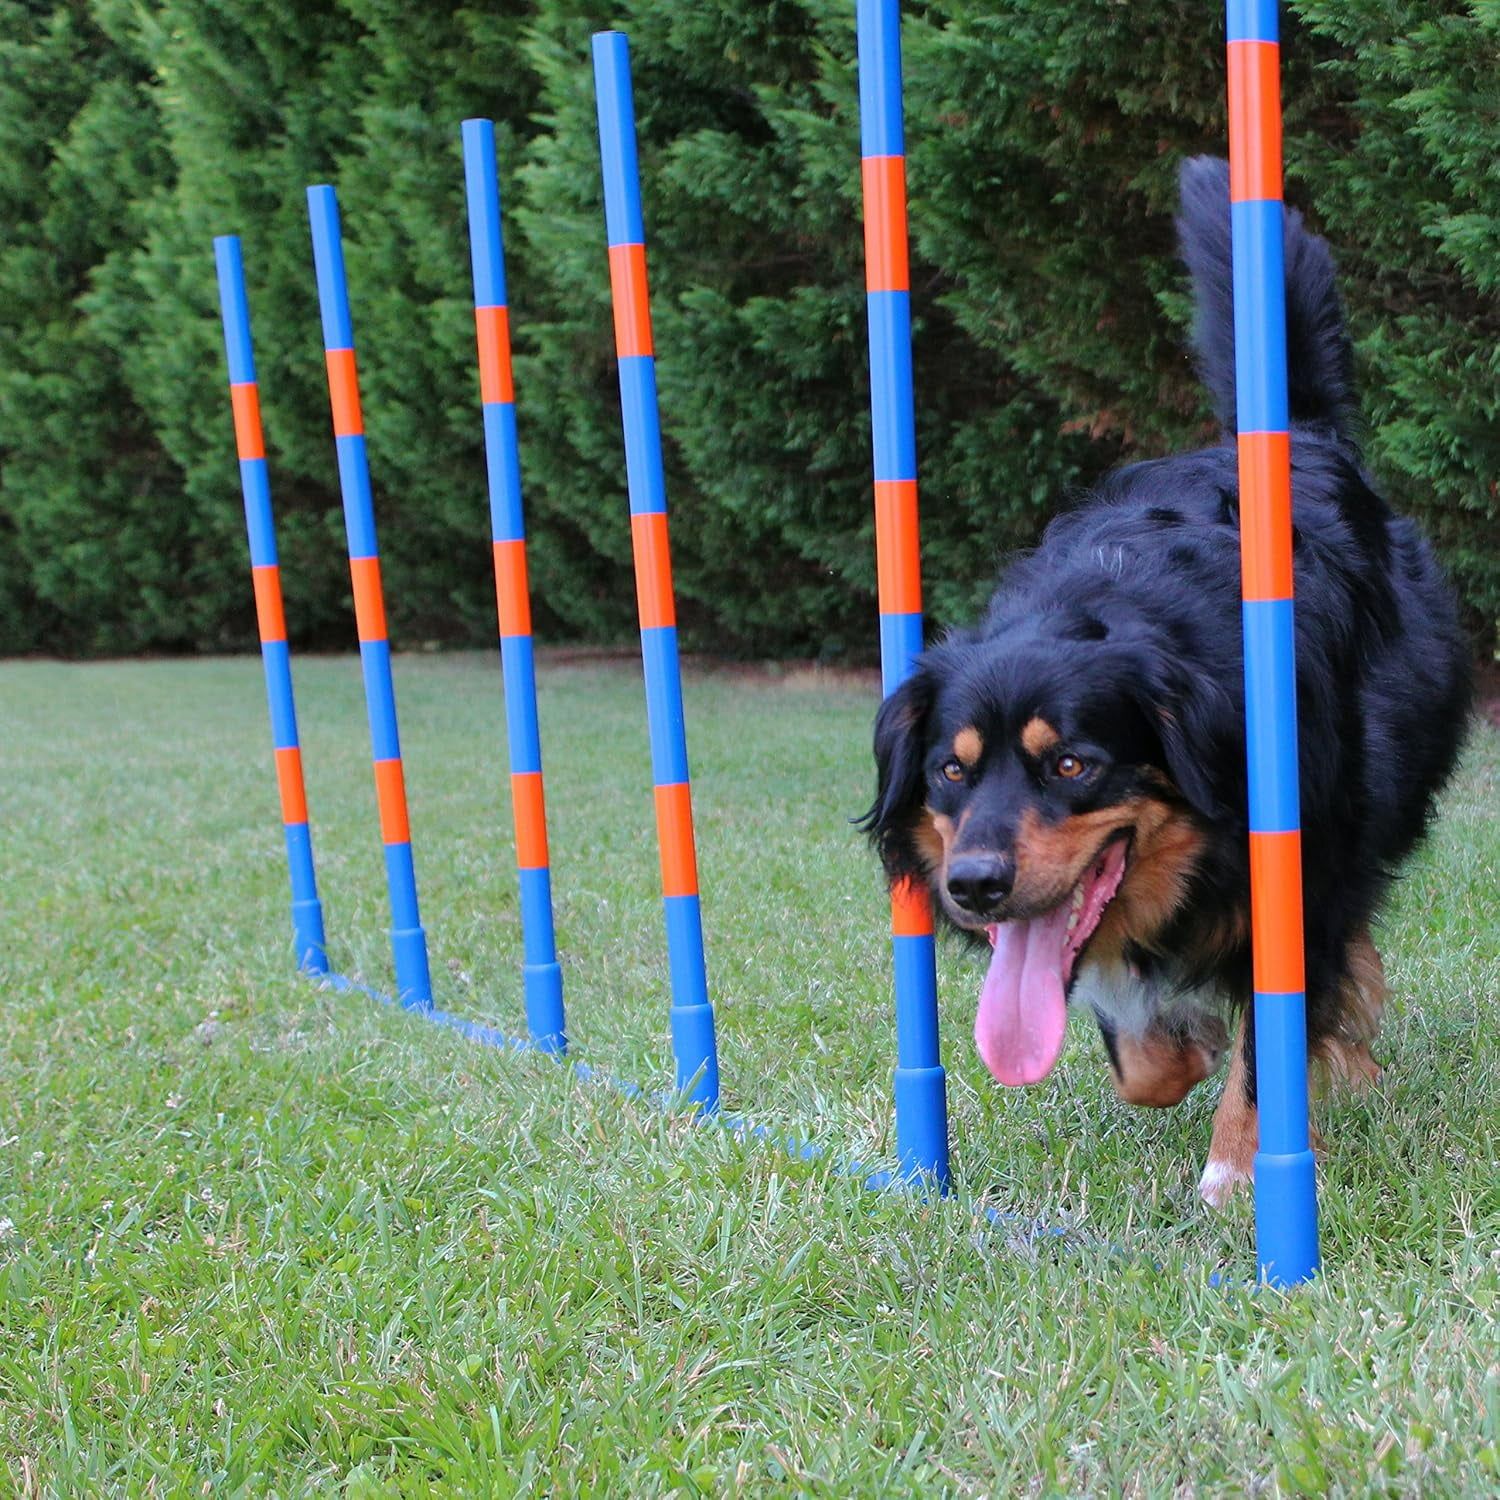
point(1345, 1058)
point(1231, 1153)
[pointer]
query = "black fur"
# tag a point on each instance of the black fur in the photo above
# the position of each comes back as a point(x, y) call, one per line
point(1320, 359)
point(1123, 629)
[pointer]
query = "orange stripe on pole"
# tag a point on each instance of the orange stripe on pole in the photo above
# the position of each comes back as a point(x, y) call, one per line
point(627, 285)
point(1276, 912)
point(898, 563)
point(1254, 121)
point(674, 833)
point(512, 590)
point(886, 265)
point(911, 909)
point(369, 601)
point(290, 784)
point(343, 393)
point(269, 615)
point(1265, 511)
point(530, 812)
point(249, 441)
point(390, 797)
point(653, 569)
point(495, 379)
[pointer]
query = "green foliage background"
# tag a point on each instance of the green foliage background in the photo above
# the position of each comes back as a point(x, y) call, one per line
point(1043, 137)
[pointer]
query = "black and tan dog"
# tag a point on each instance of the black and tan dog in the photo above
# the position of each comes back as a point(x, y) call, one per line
point(1069, 776)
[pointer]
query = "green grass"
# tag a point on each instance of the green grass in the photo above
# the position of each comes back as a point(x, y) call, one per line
point(256, 1237)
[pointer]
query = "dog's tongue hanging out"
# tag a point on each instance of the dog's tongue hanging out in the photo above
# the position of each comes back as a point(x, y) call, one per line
point(1023, 1007)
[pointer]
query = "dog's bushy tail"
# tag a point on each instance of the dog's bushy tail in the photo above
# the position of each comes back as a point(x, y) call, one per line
point(1320, 360)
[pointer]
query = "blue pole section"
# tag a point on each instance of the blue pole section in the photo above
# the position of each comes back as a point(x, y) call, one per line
point(265, 571)
point(541, 972)
point(693, 1041)
point(920, 1084)
point(1286, 1210)
point(408, 940)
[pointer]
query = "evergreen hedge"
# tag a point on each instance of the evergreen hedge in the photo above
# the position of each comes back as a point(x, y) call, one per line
point(1043, 136)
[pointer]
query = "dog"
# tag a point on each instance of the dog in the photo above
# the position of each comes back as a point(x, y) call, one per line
point(1069, 778)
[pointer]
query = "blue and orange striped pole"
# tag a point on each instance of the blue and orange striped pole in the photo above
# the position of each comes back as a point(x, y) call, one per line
point(265, 571)
point(693, 1044)
point(920, 1083)
point(408, 941)
point(1286, 1209)
point(541, 972)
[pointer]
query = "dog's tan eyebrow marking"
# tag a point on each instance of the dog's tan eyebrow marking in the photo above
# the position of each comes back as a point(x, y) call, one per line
point(968, 745)
point(1038, 737)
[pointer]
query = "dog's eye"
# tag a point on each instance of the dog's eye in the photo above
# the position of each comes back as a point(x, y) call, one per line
point(953, 770)
point(1070, 767)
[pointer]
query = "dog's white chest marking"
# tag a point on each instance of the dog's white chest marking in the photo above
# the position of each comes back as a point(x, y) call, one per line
point(1131, 1006)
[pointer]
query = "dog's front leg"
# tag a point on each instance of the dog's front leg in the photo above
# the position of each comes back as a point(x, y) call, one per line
point(1231, 1152)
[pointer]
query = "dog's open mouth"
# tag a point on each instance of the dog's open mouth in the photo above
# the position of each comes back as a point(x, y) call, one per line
point(1023, 1007)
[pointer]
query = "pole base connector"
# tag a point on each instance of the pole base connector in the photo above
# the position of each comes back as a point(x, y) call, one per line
point(413, 980)
point(308, 937)
point(696, 1055)
point(1286, 1217)
point(544, 1007)
point(922, 1124)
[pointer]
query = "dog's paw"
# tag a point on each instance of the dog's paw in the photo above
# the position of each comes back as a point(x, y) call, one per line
point(1219, 1181)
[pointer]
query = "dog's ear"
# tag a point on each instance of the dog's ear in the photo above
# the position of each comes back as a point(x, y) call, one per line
point(1198, 726)
point(900, 749)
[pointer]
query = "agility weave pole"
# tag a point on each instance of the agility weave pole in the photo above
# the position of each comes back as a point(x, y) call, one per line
point(1286, 1209)
point(408, 940)
point(265, 571)
point(920, 1084)
point(693, 1040)
point(541, 972)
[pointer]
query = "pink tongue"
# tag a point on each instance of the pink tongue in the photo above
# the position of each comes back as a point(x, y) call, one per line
point(1023, 1012)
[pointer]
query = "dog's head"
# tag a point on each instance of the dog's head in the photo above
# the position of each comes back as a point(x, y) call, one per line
point(1046, 780)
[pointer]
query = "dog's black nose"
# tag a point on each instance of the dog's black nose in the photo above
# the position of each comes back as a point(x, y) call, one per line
point(980, 882)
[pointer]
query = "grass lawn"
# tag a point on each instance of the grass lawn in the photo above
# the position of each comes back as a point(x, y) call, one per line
point(258, 1237)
